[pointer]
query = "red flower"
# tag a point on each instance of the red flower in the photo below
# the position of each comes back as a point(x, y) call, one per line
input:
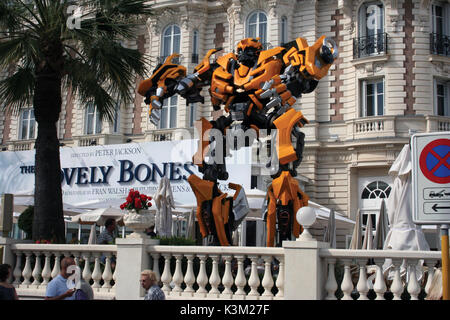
point(137, 203)
point(129, 199)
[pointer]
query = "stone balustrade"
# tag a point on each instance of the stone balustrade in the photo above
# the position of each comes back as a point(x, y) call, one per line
point(410, 271)
point(219, 272)
point(37, 264)
point(298, 270)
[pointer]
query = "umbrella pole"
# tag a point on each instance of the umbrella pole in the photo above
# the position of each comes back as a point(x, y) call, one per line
point(445, 261)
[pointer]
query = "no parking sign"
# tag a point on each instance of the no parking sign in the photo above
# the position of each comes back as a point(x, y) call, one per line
point(431, 178)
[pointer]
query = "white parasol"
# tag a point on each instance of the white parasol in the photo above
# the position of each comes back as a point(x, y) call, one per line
point(382, 228)
point(99, 216)
point(330, 234)
point(357, 230)
point(164, 204)
point(368, 235)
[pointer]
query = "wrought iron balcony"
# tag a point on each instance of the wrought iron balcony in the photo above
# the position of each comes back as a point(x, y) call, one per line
point(440, 44)
point(370, 45)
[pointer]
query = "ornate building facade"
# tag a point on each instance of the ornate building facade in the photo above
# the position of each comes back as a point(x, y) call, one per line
point(391, 80)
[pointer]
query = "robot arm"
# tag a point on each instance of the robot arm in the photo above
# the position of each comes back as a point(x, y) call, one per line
point(305, 66)
point(170, 78)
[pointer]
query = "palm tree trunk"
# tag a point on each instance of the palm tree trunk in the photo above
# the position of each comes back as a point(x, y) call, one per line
point(48, 222)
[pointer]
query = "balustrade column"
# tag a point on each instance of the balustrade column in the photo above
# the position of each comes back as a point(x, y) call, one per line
point(240, 280)
point(97, 274)
point(347, 284)
point(253, 281)
point(227, 280)
point(413, 285)
point(380, 285)
point(56, 267)
point(267, 281)
point(331, 286)
point(87, 274)
point(166, 277)
point(214, 279)
point(430, 265)
point(178, 275)
point(189, 278)
point(397, 285)
point(47, 272)
point(27, 273)
point(280, 278)
point(17, 269)
point(362, 286)
point(107, 272)
point(37, 271)
point(202, 278)
point(155, 257)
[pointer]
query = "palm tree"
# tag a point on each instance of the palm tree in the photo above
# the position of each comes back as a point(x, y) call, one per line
point(49, 47)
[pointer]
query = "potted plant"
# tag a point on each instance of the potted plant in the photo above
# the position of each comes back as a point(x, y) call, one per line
point(138, 217)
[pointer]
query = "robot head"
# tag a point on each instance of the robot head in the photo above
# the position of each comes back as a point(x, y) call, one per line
point(248, 51)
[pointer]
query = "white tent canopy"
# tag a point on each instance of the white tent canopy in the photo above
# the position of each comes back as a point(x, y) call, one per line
point(99, 216)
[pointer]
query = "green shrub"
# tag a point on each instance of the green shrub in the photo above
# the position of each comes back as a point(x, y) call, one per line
point(25, 222)
point(175, 241)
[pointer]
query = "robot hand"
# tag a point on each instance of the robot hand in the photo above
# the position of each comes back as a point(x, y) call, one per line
point(277, 91)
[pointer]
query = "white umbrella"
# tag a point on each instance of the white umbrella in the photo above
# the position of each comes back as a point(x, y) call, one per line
point(368, 235)
point(99, 216)
point(164, 204)
point(190, 225)
point(92, 235)
point(356, 237)
point(330, 234)
point(382, 228)
point(403, 234)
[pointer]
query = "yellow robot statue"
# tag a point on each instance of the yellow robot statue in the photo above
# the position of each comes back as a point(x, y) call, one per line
point(257, 88)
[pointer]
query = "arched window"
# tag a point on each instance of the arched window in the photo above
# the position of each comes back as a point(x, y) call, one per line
point(376, 189)
point(371, 37)
point(284, 30)
point(257, 26)
point(170, 41)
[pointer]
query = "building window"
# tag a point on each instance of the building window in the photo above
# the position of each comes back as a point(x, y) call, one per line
point(93, 122)
point(192, 114)
point(374, 190)
point(371, 40)
point(169, 113)
point(257, 26)
point(170, 41)
point(440, 25)
point(442, 101)
point(195, 47)
point(372, 94)
point(27, 127)
point(284, 30)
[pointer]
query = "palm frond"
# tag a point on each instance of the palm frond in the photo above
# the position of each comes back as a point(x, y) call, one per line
point(17, 90)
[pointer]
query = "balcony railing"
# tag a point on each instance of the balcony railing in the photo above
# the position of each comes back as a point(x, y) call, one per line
point(370, 45)
point(440, 44)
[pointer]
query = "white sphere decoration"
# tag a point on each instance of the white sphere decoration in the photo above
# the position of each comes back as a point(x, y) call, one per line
point(306, 216)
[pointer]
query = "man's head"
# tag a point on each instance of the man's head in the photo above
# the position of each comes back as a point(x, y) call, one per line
point(5, 272)
point(110, 225)
point(148, 279)
point(248, 51)
point(65, 264)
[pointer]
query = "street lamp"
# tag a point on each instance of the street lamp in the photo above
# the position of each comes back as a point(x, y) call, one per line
point(306, 216)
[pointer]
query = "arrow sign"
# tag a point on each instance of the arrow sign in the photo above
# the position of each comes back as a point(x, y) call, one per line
point(436, 208)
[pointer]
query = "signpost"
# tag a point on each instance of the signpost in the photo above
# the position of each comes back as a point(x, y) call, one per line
point(431, 189)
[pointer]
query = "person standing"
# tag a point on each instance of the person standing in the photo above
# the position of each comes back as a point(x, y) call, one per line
point(7, 290)
point(149, 283)
point(107, 236)
point(57, 288)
